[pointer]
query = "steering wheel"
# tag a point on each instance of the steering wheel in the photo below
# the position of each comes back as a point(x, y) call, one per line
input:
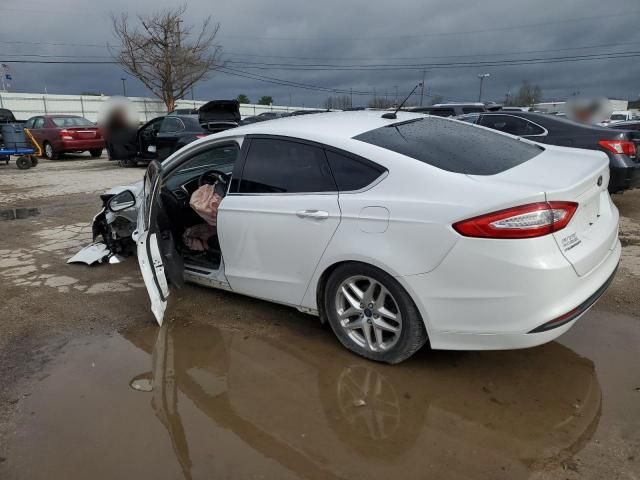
point(210, 177)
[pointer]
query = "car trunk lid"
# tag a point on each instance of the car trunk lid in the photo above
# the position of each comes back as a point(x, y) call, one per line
point(82, 133)
point(572, 175)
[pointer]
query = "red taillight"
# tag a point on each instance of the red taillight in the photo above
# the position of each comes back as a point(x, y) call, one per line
point(66, 134)
point(619, 146)
point(201, 135)
point(525, 221)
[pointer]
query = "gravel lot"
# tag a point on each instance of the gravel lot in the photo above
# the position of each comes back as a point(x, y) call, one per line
point(233, 387)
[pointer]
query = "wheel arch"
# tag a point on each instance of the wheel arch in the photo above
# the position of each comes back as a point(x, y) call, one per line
point(323, 276)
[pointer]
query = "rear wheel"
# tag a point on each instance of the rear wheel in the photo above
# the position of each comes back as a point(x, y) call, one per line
point(372, 315)
point(49, 152)
point(23, 163)
point(95, 153)
point(34, 160)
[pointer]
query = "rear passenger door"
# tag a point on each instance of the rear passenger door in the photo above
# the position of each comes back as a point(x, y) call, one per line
point(37, 130)
point(277, 219)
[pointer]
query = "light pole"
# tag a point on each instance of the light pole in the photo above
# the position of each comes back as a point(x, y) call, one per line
point(482, 76)
point(124, 87)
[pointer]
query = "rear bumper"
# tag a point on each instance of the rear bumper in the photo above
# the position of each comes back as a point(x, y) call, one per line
point(480, 299)
point(80, 145)
point(624, 174)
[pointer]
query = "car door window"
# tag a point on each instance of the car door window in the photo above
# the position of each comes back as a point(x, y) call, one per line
point(171, 124)
point(443, 112)
point(510, 124)
point(283, 166)
point(38, 122)
point(351, 173)
point(212, 158)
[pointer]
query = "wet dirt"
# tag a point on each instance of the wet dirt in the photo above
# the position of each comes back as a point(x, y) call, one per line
point(205, 399)
point(233, 387)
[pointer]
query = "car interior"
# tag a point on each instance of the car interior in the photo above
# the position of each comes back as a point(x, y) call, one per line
point(196, 241)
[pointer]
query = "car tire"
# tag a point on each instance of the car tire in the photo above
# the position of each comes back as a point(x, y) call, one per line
point(128, 163)
point(23, 163)
point(34, 160)
point(374, 299)
point(95, 153)
point(49, 152)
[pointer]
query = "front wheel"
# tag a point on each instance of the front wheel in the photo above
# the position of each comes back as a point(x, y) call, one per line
point(372, 315)
point(95, 153)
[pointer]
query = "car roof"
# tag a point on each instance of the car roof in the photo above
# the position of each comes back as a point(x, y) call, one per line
point(322, 127)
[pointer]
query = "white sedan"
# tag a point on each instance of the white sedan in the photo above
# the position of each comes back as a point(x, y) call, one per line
point(398, 232)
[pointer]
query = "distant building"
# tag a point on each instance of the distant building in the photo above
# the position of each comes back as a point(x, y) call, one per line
point(559, 107)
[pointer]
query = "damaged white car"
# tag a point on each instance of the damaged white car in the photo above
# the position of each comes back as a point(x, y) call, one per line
point(396, 230)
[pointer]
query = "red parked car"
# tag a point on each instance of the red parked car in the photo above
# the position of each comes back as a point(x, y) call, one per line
point(57, 134)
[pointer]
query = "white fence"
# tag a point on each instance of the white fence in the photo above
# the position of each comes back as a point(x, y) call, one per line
point(26, 105)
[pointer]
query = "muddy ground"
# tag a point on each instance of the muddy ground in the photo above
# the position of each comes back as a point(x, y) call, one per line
point(232, 387)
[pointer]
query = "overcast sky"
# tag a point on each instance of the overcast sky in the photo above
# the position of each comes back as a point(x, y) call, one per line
point(339, 32)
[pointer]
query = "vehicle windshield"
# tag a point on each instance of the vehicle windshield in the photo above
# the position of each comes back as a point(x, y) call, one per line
point(71, 122)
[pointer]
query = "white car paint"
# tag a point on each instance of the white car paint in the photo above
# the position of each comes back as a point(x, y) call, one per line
point(472, 293)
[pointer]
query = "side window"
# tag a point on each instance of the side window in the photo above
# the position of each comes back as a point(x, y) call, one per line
point(171, 124)
point(533, 129)
point(282, 166)
point(212, 158)
point(506, 123)
point(443, 112)
point(351, 173)
point(471, 118)
point(29, 123)
point(38, 122)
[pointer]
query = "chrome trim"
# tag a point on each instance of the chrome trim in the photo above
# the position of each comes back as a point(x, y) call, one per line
point(380, 178)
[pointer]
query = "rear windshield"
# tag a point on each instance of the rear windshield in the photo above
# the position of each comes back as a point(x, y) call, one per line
point(452, 146)
point(71, 122)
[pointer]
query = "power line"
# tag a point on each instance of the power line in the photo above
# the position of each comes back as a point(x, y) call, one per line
point(379, 67)
point(628, 14)
point(346, 59)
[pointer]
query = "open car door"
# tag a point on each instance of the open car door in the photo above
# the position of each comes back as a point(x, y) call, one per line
point(147, 138)
point(160, 263)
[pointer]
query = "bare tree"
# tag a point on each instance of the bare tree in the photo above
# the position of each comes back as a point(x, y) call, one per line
point(166, 55)
point(527, 95)
point(341, 102)
point(380, 102)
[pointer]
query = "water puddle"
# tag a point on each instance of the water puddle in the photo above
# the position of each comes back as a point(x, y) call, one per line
point(198, 401)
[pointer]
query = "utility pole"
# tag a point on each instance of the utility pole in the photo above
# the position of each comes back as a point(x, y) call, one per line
point(351, 99)
point(396, 100)
point(482, 76)
point(424, 73)
point(124, 88)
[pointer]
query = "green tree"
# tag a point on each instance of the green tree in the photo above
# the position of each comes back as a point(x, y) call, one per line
point(265, 100)
point(242, 98)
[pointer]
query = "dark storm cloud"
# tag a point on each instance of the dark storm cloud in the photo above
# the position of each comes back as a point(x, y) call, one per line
point(325, 32)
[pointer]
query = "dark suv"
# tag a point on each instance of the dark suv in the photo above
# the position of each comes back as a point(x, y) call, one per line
point(450, 109)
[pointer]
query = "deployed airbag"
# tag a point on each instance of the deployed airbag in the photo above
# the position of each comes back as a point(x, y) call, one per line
point(205, 202)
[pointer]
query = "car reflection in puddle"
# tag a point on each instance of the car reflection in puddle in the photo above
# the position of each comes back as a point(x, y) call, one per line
point(322, 413)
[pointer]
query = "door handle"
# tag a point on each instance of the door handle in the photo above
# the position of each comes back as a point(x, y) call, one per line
point(314, 214)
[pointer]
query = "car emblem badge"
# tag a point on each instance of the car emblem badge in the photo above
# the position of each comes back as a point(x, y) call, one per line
point(600, 180)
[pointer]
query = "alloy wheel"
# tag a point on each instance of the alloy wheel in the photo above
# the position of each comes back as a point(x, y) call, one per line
point(368, 313)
